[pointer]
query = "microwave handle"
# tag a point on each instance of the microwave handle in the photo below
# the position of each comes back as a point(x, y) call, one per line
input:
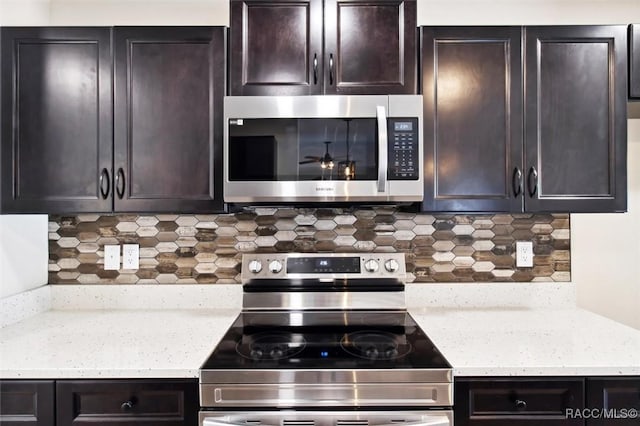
point(382, 148)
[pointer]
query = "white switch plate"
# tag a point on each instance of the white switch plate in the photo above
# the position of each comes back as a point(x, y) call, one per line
point(130, 256)
point(111, 258)
point(524, 254)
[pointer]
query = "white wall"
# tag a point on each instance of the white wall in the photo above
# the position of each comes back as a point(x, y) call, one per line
point(216, 12)
point(605, 251)
point(24, 253)
point(527, 12)
point(24, 12)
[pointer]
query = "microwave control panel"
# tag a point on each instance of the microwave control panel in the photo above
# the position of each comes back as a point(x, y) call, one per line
point(404, 161)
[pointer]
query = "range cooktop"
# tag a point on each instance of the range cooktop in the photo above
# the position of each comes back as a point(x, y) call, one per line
point(325, 340)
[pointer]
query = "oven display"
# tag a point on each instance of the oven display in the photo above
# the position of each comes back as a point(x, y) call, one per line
point(323, 265)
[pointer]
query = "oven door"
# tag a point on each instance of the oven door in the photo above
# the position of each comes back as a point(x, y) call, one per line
point(322, 148)
point(328, 418)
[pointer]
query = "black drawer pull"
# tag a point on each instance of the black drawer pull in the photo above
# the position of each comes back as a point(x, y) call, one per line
point(120, 183)
point(331, 69)
point(516, 182)
point(315, 68)
point(521, 405)
point(532, 181)
point(104, 180)
point(127, 406)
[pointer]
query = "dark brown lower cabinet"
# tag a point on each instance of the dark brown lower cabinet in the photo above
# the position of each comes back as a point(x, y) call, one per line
point(513, 401)
point(616, 397)
point(127, 402)
point(27, 403)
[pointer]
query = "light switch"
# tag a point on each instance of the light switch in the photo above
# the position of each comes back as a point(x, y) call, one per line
point(130, 256)
point(524, 254)
point(111, 258)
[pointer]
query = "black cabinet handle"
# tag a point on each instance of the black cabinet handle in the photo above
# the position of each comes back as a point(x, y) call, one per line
point(521, 405)
point(128, 405)
point(516, 182)
point(330, 69)
point(532, 181)
point(315, 68)
point(120, 184)
point(104, 178)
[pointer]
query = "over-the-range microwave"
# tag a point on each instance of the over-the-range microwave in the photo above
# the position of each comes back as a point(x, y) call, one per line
point(323, 148)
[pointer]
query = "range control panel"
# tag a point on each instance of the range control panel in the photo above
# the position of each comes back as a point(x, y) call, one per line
point(323, 265)
point(404, 156)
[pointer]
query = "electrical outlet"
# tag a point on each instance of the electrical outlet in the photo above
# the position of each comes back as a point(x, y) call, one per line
point(130, 256)
point(524, 254)
point(111, 258)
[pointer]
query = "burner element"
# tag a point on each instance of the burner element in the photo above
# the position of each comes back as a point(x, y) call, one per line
point(270, 346)
point(375, 345)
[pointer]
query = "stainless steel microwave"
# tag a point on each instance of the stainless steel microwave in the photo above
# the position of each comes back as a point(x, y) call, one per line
point(323, 149)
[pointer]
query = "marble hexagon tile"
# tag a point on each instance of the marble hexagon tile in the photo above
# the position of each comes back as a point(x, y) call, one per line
point(179, 249)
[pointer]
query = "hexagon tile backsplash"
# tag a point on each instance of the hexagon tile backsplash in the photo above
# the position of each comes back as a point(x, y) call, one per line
point(180, 249)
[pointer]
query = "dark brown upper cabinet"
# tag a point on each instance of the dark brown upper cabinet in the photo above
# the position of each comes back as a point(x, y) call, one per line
point(169, 85)
point(575, 110)
point(634, 61)
point(472, 93)
point(310, 47)
point(75, 141)
point(538, 130)
point(57, 143)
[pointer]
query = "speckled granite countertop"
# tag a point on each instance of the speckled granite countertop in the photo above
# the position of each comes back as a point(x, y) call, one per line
point(162, 332)
point(111, 343)
point(174, 343)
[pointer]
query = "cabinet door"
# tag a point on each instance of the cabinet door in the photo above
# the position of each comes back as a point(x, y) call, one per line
point(169, 88)
point(471, 82)
point(634, 61)
point(56, 120)
point(618, 396)
point(576, 119)
point(511, 402)
point(127, 402)
point(276, 47)
point(370, 47)
point(27, 403)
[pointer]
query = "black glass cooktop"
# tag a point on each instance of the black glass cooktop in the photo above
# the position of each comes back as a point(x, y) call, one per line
point(325, 340)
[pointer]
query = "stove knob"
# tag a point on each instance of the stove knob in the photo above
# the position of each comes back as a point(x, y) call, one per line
point(255, 266)
point(391, 265)
point(275, 266)
point(371, 265)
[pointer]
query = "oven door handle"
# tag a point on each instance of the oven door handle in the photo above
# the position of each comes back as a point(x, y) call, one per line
point(383, 141)
point(436, 420)
point(440, 420)
point(219, 422)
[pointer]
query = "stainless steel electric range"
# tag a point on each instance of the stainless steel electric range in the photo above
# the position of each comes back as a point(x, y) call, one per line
point(325, 340)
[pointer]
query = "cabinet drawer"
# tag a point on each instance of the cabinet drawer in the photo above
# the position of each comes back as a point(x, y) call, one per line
point(146, 402)
point(26, 403)
point(512, 402)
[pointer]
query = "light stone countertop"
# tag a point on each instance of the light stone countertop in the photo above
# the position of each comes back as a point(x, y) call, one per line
point(525, 330)
point(111, 343)
point(531, 341)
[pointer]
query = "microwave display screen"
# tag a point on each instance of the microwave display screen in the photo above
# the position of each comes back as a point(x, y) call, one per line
point(403, 126)
point(298, 149)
